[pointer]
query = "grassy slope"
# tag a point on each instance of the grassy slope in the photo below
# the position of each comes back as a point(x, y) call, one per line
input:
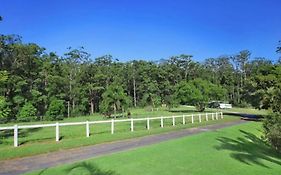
point(235, 150)
point(42, 140)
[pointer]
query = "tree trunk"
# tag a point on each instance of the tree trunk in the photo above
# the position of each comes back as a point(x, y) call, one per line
point(92, 107)
point(68, 109)
point(135, 96)
point(114, 108)
point(73, 104)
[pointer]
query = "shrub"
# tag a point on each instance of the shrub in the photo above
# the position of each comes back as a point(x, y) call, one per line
point(27, 113)
point(5, 111)
point(56, 110)
point(114, 100)
point(171, 101)
point(272, 129)
point(200, 106)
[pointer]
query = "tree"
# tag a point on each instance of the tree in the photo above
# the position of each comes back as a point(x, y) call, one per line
point(279, 47)
point(278, 50)
point(198, 92)
point(240, 63)
point(264, 92)
point(272, 123)
point(27, 113)
point(4, 108)
point(74, 61)
point(187, 93)
point(262, 86)
point(272, 130)
point(114, 100)
point(220, 71)
point(56, 110)
point(171, 101)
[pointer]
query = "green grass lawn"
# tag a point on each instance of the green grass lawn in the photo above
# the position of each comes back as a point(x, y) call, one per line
point(247, 111)
point(234, 150)
point(42, 140)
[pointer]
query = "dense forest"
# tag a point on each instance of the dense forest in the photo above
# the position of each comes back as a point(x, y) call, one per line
point(36, 85)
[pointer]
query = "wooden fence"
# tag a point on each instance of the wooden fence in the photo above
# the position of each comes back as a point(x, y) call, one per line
point(213, 116)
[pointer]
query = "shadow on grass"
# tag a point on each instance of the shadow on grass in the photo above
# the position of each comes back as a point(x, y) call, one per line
point(81, 168)
point(6, 134)
point(249, 149)
point(88, 169)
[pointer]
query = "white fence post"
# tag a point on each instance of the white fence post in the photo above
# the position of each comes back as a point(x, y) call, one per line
point(206, 116)
point(147, 123)
point(16, 136)
point(87, 129)
point(57, 132)
point(212, 116)
point(217, 116)
point(162, 122)
point(132, 124)
point(221, 115)
point(199, 118)
point(183, 119)
point(112, 126)
point(174, 123)
point(192, 119)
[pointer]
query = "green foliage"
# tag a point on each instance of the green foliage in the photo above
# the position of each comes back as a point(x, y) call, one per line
point(27, 113)
point(114, 100)
point(263, 92)
point(150, 100)
point(187, 93)
point(198, 92)
point(272, 128)
point(171, 101)
point(56, 110)
point(5, 111)
point(3, 76)
point(276, 100)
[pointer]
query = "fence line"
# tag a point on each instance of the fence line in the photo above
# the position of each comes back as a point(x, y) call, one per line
point(87, 123)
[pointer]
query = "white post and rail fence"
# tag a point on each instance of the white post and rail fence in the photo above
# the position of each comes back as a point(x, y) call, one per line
point(57, 125)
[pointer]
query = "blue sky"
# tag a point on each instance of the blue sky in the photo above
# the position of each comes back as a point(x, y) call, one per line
point(147, 29)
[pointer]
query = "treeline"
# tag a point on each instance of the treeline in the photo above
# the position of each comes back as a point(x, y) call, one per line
point(36, 85)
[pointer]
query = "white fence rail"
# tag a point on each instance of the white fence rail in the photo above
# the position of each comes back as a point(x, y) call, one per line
point(214, 116)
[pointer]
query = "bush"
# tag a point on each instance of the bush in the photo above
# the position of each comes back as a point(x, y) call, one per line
point(171, 101)
point(5, 111)
point(27, 113)
point(114, 100)
point(200, 107)
point(272, 129)
point(56, 110)
point(243, 104)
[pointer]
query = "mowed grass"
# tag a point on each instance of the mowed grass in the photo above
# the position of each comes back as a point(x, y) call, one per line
point(42, 140)
point(234, 150)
